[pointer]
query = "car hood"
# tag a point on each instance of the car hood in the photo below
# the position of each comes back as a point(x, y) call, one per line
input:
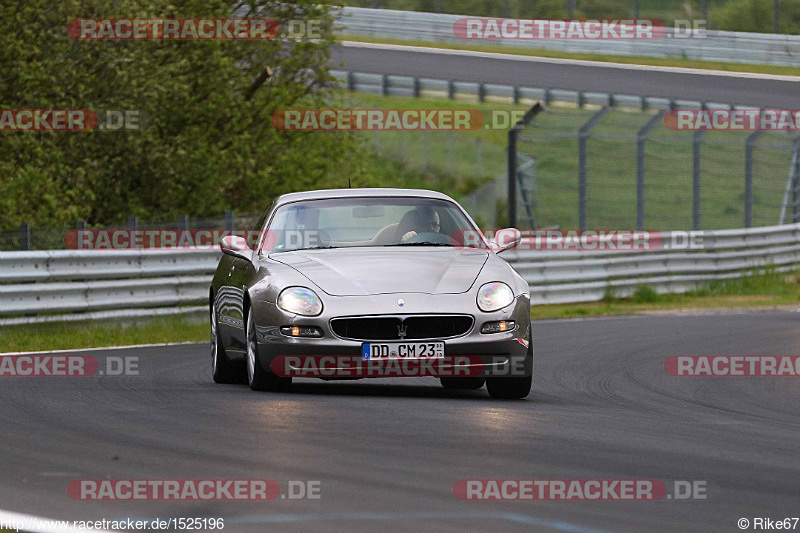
point(364, 271)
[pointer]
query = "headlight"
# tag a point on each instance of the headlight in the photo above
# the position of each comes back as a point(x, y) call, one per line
point(494, 296)
point(300, 301)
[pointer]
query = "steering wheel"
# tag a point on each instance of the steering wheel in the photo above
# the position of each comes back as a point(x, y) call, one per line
point(429, 236)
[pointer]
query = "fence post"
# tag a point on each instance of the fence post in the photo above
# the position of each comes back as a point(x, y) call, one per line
point(351, 82)
point(790, 193)
point(416, 87)
point(229, 220)
point(583, 135)
point(748, 177)
point(641, 140)
point(512, 176)
point(451, 89)
point(697, 141)
point(513, 135)
point(796, 183)
point(25, 236)
point(133, 222)
point(385, 85)
point(481, 92)
point(183, 222)
point(776, 17)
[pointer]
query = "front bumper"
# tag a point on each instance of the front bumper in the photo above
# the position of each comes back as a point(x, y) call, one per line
point(477, 353)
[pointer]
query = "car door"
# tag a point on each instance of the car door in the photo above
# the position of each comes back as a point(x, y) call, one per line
point(239, 280)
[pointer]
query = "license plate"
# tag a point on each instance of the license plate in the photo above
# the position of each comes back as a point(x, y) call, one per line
point(402, 350)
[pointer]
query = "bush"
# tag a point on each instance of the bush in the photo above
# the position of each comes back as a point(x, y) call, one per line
point(756, 16)
point(210, 144)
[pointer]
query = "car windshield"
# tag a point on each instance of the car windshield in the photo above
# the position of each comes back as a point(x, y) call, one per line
point(361, 222)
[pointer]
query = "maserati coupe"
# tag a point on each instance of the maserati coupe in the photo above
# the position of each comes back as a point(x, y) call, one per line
point(368, 282)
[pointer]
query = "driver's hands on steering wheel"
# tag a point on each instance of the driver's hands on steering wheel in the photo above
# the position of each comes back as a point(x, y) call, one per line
point(408, 236)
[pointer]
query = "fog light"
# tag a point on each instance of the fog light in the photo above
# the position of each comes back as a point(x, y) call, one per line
point(301, 331)
point(497, 327)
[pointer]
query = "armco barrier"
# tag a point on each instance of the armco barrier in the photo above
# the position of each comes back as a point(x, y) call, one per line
point(393, 85)
point(724, 46)
point(79, 284)
point(74, 285)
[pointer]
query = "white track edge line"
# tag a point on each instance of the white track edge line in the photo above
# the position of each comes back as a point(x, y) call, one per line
point(103, 348)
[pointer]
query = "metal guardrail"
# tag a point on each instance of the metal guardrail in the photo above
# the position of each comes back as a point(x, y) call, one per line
point(75, 285)
point(586, 276)
point(102, 283)
point(724, 46)
point(392, 85)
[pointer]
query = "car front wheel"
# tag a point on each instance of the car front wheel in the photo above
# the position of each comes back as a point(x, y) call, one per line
point(512, 387)
point(258, 378)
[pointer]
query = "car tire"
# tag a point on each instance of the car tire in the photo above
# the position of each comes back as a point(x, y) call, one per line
point(512, 387)
point(221, 368)
point(472, 383)
point(258, 378)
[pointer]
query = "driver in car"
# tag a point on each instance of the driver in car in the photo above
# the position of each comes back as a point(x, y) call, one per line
point(426, 219)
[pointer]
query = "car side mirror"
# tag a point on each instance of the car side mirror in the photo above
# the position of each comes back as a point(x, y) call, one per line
point(505, 239)
point(235, 246)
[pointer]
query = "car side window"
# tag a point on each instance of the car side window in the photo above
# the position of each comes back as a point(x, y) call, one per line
point(260, 228)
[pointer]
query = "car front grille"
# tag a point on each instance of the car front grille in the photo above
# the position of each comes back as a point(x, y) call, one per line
point(392, 328)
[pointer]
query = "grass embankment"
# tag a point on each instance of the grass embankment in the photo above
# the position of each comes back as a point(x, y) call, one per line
point(770, 289)
point(91, 334)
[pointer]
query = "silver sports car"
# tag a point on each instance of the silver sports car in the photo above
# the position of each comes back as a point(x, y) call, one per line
point(353, 283)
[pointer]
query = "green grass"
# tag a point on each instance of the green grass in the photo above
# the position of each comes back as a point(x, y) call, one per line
point(459, 162)
point(91, 334)
point(769, 289)
point(635, 60)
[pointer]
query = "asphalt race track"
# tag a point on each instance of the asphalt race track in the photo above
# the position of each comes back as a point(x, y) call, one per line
point(388, 452)
point(577, 75)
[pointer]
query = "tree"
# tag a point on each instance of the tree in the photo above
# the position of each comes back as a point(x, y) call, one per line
point(209, 144)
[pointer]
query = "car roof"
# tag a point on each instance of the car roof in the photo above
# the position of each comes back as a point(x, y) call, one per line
point(361, 192)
